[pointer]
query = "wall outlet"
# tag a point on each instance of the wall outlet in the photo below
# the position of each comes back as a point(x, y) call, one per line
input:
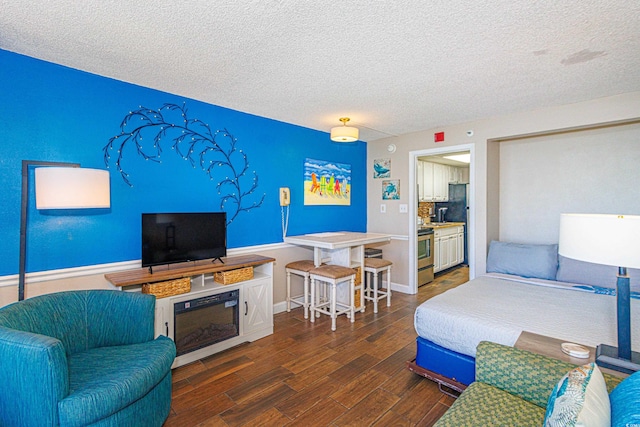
point(383, 208)
point(404, 208)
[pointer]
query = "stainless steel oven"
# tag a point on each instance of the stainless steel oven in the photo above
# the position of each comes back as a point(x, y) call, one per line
point(425, 256)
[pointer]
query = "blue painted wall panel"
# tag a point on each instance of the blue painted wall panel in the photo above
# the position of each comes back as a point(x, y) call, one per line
point(53, 113)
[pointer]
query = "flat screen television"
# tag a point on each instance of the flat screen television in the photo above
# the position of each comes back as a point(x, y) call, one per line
point(169, 238)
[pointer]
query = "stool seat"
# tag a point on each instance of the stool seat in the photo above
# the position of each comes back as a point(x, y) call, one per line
point(332, 276)
point(303, 265)
point(376, 263)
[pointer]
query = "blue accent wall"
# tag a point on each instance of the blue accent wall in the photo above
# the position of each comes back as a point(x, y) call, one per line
point(53, 113)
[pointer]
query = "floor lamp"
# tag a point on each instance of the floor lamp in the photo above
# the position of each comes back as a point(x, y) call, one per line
point(610, 240)
point(59, 186)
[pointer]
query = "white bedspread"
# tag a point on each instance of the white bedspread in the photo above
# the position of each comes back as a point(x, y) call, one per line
point(499, 309)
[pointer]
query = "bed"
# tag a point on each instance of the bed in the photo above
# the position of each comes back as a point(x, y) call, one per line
point(527, 288)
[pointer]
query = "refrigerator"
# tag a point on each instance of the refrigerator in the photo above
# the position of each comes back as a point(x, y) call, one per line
point(458, 210)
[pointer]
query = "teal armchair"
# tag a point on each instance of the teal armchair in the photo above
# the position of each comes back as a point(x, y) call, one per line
point(84, 358)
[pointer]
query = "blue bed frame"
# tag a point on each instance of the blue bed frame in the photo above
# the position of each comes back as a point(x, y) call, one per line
point(452, 370)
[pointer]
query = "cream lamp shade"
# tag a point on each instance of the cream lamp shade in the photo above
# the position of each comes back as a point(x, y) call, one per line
point(601, 239)
point(72, 188)
point(344, 133)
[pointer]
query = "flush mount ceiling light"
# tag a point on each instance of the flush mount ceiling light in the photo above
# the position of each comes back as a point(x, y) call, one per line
point(344, 133)
point(464, 158)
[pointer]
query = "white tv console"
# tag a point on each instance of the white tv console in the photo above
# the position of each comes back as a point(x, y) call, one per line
point(255, 299)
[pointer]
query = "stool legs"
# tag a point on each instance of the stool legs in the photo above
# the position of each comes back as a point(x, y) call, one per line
point(352, 298)
point(305, 291)
point(312, 305)
point(389, 287)
point(330, 305)
point(288, 292)
point(375, 292)
point(372, 287)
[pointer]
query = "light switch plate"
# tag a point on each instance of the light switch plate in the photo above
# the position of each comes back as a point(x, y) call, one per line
point(404, 208)
point(383, 208)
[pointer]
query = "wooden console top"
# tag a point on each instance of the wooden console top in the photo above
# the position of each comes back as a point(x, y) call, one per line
point(551, 347)
point(175, 271)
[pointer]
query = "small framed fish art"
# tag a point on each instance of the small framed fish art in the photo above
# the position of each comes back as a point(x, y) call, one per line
point(382, 168)
point(391, 189)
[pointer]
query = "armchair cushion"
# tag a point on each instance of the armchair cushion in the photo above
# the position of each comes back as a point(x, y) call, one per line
point(470, 409)
point(98, 391)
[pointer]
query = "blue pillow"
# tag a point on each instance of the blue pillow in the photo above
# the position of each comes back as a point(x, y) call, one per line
point(586, 273)
point(625, 402)
point(526, 260)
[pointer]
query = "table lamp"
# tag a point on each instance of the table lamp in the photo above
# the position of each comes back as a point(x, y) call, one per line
point(610, 240)
point(59, 185)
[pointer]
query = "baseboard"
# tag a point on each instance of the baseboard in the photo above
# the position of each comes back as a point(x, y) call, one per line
point(279, 307)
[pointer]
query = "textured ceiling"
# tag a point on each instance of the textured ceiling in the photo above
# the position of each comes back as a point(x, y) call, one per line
point(392, 66)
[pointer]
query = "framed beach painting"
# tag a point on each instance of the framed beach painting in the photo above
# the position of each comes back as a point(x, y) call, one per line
point(327, 183)
point(382, 168)
point(391, 189)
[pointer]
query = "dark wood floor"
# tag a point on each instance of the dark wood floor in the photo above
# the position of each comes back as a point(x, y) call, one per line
point(306, 375)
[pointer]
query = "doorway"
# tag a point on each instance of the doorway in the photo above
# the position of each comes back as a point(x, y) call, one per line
point(437, 155)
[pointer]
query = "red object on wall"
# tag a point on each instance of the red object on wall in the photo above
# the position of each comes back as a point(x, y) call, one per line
point(438, 137)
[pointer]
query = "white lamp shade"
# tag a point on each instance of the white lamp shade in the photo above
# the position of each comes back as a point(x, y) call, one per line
point(602, 239)
point(344, 134)
point(72, 188)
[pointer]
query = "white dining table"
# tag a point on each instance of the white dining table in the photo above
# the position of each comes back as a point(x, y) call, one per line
point(338, 247)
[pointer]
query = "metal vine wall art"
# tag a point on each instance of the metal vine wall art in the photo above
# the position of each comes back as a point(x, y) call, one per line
point(193, 140)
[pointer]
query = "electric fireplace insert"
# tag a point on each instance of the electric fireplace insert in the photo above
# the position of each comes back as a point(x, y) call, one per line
point(205, 321)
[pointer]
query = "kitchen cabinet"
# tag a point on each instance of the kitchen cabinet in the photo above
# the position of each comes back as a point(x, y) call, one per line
point(420, 179)
point(460, 246)
point(448, 247)
point(440, 183)
point(455, 175)
point(427, 181)
point(433, 180)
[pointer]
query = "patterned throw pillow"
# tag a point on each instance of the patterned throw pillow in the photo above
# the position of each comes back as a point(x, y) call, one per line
point(579, 399)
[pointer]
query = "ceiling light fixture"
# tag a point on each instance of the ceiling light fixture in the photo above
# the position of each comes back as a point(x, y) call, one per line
point(344, 133)
point(463, 158)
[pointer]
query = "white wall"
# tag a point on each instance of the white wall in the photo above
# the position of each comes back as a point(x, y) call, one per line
point(486, 174)
point(590, 171)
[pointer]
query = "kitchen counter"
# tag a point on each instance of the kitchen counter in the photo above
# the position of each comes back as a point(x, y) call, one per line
point(439, 225)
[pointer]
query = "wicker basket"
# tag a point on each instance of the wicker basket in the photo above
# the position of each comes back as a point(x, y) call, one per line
point(233, 276)
point(168, 288)
point(358, 279)
point(357, 282)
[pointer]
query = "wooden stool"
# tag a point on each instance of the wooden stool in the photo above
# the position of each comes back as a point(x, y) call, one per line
point(375, 266)
point(299, 268)
point(333, 275)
